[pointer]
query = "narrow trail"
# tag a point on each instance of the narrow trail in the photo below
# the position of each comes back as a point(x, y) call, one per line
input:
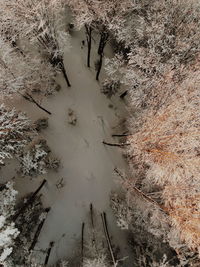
point(86, 164)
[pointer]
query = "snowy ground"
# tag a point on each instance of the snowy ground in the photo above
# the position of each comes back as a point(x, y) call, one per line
point(86, 164)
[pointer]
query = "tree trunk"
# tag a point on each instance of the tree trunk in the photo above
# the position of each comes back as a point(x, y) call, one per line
point(99, 67)
point(37, 233)
point(102, 42)
point(48, 253)
point(29, 98)
point(82, 243)
point(65, 75)
point(29, 201)
point(89, 42)
point(105, 227)
point(93, 227)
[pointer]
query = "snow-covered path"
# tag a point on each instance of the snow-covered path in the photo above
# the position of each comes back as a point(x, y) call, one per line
point(86, 164)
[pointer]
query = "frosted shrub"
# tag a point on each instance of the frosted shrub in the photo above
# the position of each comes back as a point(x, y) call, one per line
point(98, 262)
point(110, 88)
point(33, 162)
point(15, 132)
point(37, 159)
point(8, 230)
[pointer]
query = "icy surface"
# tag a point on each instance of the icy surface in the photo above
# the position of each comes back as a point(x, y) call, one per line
point(86, 164)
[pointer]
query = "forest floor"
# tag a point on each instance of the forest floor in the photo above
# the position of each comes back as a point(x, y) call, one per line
point(87, 165)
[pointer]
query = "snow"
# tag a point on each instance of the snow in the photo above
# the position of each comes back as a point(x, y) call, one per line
point(86, 164)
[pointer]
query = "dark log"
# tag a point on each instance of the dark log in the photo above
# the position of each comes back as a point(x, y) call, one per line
point(29, 201)
point(37, 233)
point(65, 76)
point(116, 144)
point(107, 236)
point(120, 135)
point(29, 98)
point(123, 94)
point(51, 244)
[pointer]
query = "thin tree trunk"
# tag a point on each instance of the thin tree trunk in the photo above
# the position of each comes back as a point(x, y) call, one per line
point(103, 41)
point(116, 144)
point(48, 253)
point(29, 98)
point(99, 67)
point(100, 45)
point(65, 75)
point(91, 215)
point(89, 42)
point(37, 233)
point(82, 243)
point(29, 201)
point(105, 227)
point(93, 227)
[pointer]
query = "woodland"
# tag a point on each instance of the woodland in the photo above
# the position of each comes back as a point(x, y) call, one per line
point(99, 133)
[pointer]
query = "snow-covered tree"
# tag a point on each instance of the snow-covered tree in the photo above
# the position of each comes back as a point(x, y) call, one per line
point(18, 221)
point(40, 22)
point(8, 230)
point(36, 159)
point(26, 223)
point(103, 11)
point(165, 148)
point(27, 76)
point(159, 49)
point(160, 69)
point(15, 132)
point(99, 16)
